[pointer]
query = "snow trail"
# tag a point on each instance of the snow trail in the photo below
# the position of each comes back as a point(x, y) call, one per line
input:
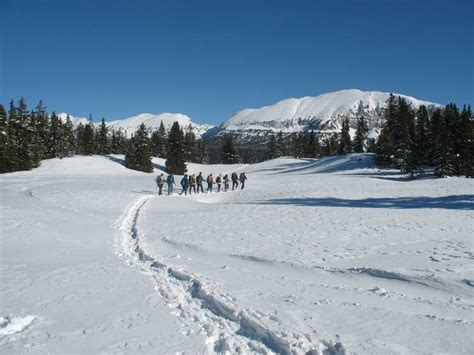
point(227, 327)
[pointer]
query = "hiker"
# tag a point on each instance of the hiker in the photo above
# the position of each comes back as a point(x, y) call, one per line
point(160, 181)
point(226, 182)
point(210, 182)
point(219, 182)
point(199, 181)
point(235, 182)
point(170, 183)
point(184, 184)
point(242, 179)
point(192, 183)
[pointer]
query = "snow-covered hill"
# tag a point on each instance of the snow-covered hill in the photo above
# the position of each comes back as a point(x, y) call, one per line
point(321, 113)
point(152, 122)
point(313, 256)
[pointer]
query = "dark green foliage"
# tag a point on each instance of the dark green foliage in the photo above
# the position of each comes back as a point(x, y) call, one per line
point(422, 136)
point(102, 140)
point(311, 146)
point(4, 141)
point(67, 140)
point(361, 134)
point(88, 140)
point(158, 142)
point(272, 149)
point(190, 145)
point(42, 130)
point(175, 162)
point(345, 138)
point(119, 142)
point(467, 142)
point(138, 155)
point(229, 154)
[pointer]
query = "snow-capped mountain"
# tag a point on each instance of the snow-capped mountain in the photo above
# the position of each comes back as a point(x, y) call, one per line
point(131, 124)
point(320, 113)
point(75, 120)
point(151, 121)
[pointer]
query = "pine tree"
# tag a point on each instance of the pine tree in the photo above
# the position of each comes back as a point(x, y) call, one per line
point(140, 152)
point(280, 143)
point(312, 148)
point(88, 139)
point(67, 140)
point(42, 130)
point(130, 159)
point(175, 162)
point(272, 149)
point(228, 152)
point(345, 138)
point(103, 147)
point(13, 132)
point(54, 136)
point(4, 141)
point(385, 142)
point(201, 155)
point(467, 142)
point(422, 136)
point(189, 145)
point(162, 141)
point(361, 135)
point(442, 153)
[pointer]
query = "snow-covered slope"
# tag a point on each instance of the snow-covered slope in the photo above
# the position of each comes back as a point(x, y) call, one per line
point(323, 112)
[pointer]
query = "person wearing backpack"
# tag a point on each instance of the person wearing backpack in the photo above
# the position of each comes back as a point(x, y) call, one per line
point(160, 181)
point(242, 180)
point(210, 182)
point(219, 182)
point(226, 182)
point(199, 180)
point(235, 182)
point(192, 183)
point(184, 184)
point(170, 183)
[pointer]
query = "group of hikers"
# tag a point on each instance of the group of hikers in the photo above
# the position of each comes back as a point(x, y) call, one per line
point(193, 183)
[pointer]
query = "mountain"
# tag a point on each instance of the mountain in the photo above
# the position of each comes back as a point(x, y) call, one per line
point(321, 113)
point(151, 121)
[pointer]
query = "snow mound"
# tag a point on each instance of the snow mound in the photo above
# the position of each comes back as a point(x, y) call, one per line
point(10, 324)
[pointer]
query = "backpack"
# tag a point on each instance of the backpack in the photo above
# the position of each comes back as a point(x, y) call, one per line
point(159, 180)
point(218, 180)
point(209, 179)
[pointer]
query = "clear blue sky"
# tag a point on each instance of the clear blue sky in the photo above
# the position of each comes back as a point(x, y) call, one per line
point(209, 59)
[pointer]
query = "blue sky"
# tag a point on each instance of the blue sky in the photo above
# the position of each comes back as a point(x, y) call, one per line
point(209, 59)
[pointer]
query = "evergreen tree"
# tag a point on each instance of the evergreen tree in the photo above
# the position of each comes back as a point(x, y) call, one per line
point(162, 141)
point(312, 148)
point(467, 142)
point(189, 145)
point(88, 139)
point(442, 150)
point(201, 152)
point(361, 135)
point(25, 137)
point(67, 140)
point(272, 149)
point(175, 162)
point(280, 145)
point(42, 130)
point(345, 138)
point(54, 136)
point(4, 141)
point(103, 147)
point(228, 152)
point(422, 136)
point(79, 139)
point(138, 157)
point(13, 132)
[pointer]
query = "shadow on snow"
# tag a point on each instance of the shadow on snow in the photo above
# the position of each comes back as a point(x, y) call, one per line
point(453, 202)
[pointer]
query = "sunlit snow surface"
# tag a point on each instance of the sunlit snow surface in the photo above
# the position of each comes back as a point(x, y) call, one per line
point(329, 254)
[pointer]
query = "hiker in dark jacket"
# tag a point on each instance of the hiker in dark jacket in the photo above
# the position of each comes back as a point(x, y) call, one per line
point(192, 183)
point(242, 179)
point(199, 180)
point(235, 182)
point(160, 181)
point(219, 182)
point(170, 183)
point(184, 184)
point(226, 182)
point(210, 182)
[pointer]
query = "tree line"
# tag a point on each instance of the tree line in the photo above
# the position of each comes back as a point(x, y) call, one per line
point(29, 136)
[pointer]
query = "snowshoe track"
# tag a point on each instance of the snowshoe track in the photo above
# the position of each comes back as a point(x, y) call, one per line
point(228, 328)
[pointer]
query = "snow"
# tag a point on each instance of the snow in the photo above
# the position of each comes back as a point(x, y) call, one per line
point(291, 115)
point(331, 255)
point(130, 125)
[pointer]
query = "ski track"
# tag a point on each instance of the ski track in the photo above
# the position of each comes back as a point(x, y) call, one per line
point(227, 327)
